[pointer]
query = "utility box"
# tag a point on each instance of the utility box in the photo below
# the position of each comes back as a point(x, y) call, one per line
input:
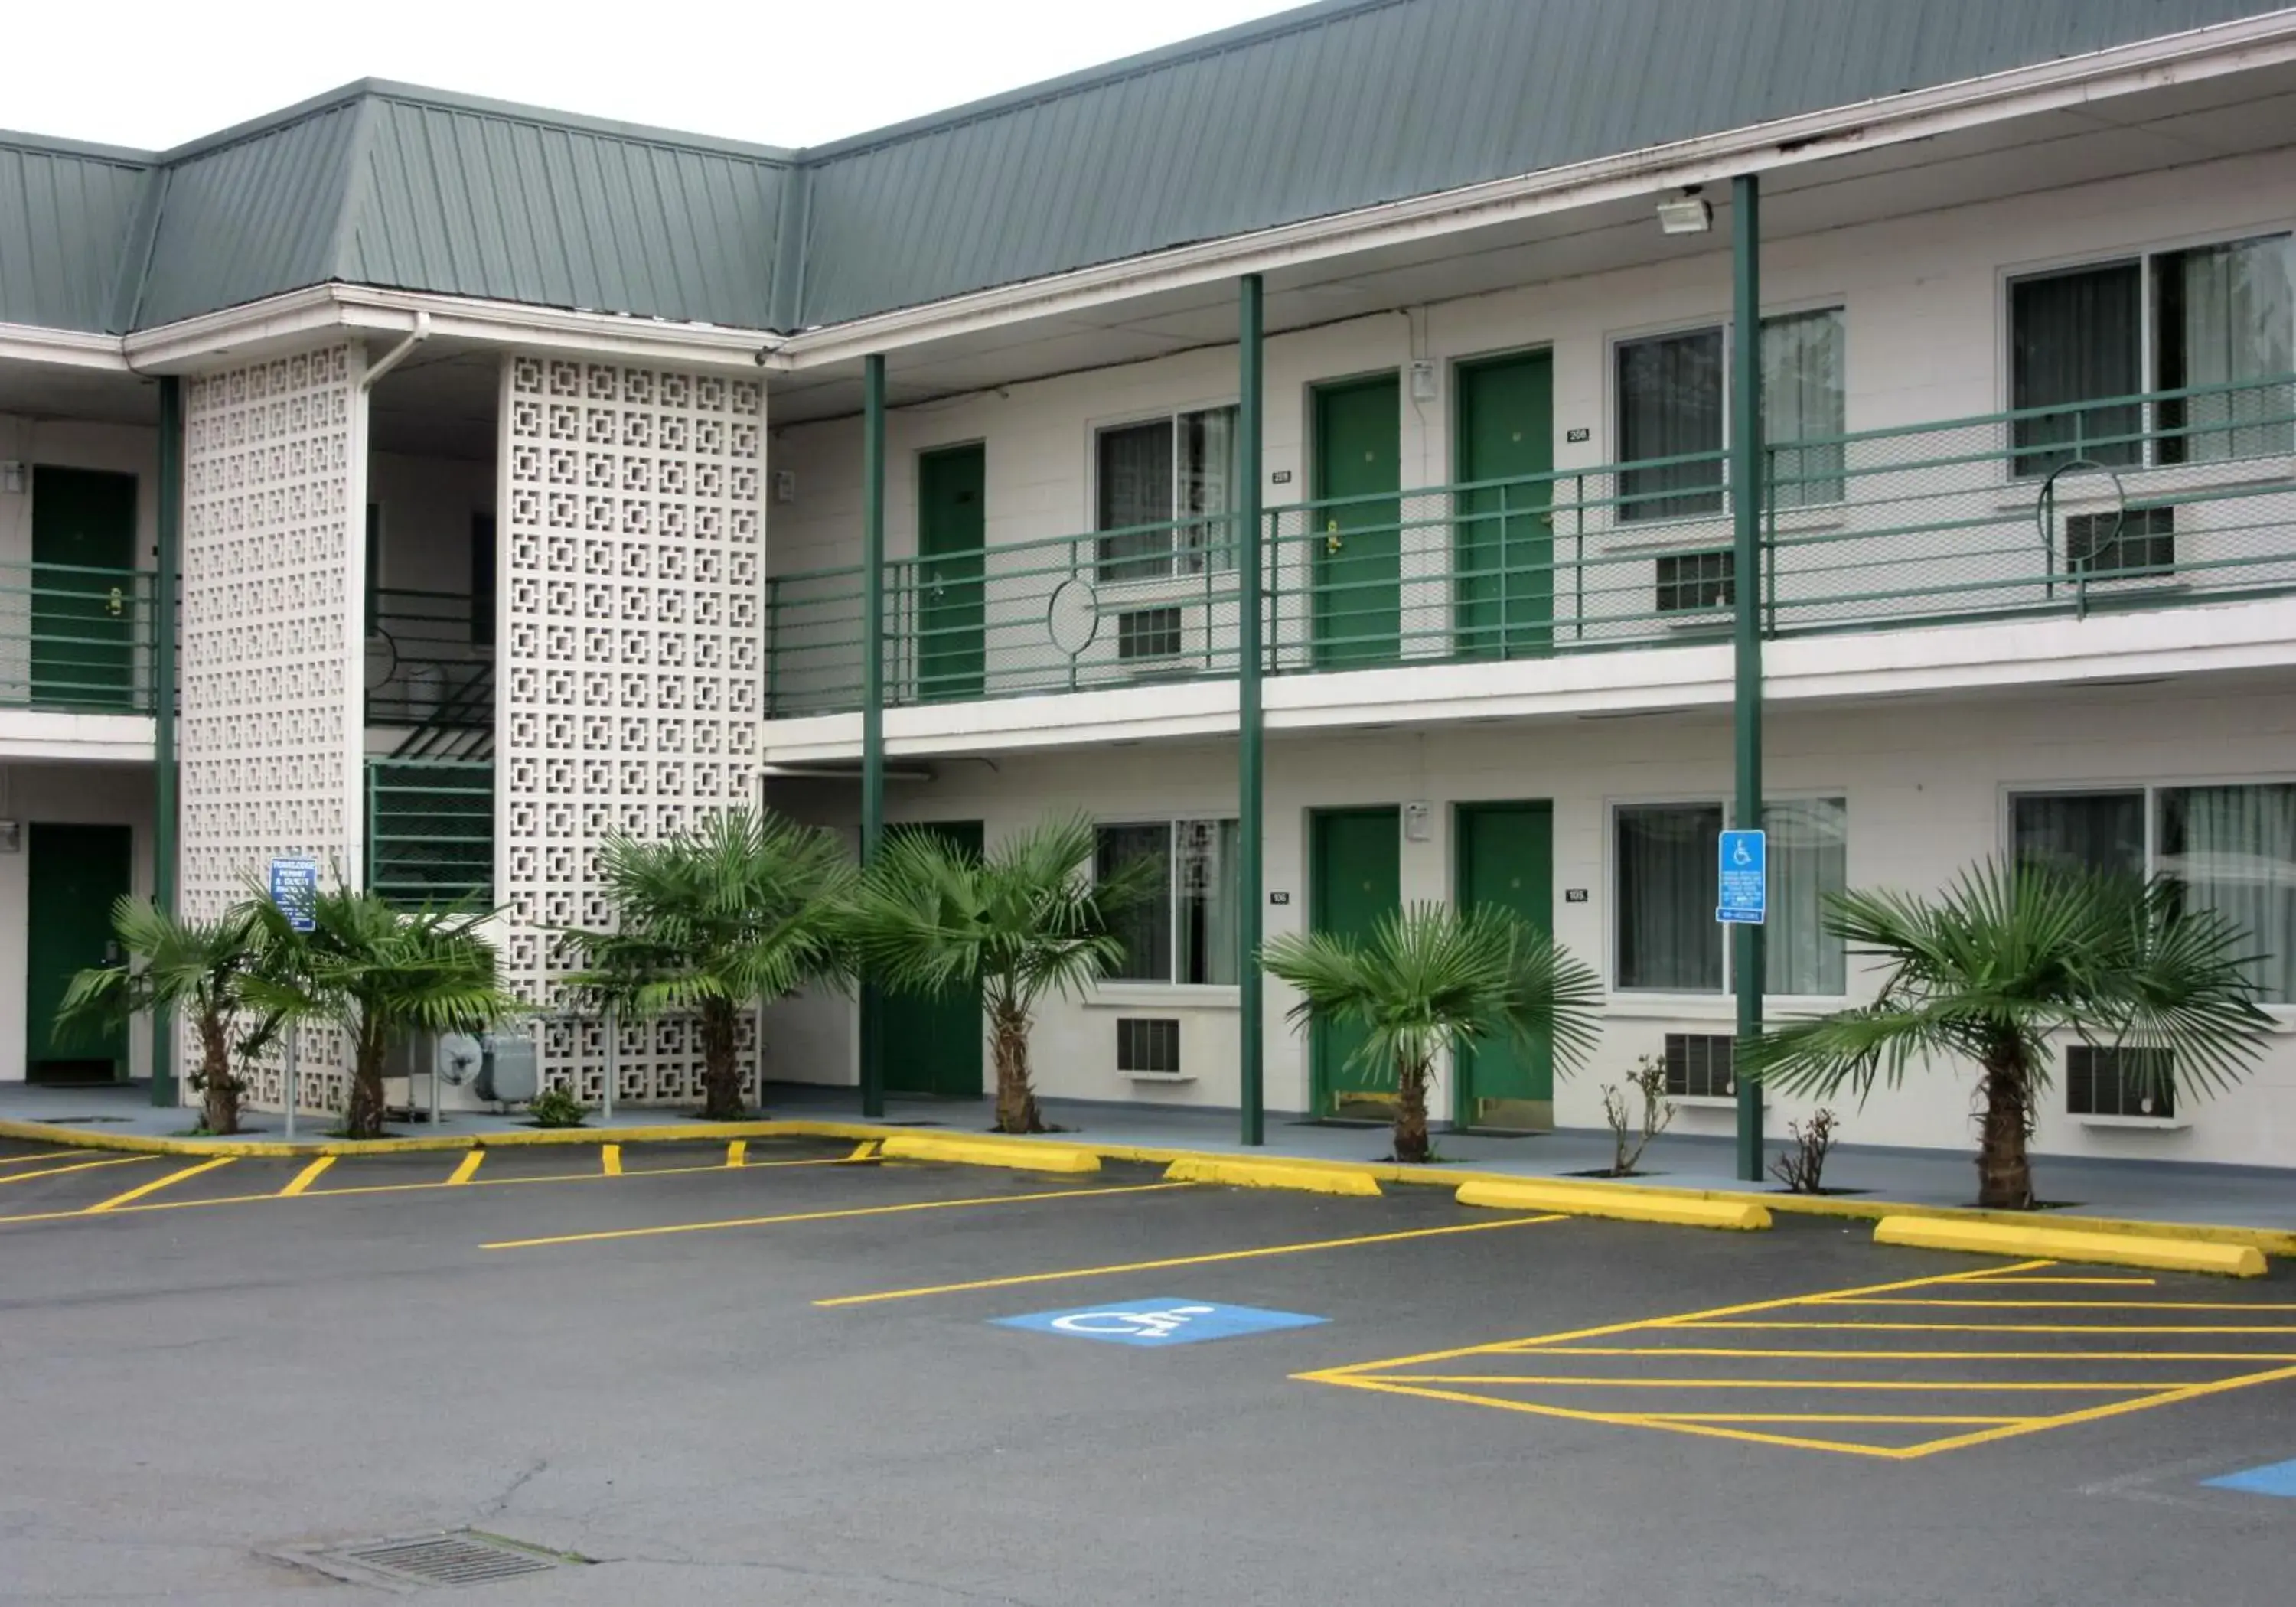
point(509, 1074)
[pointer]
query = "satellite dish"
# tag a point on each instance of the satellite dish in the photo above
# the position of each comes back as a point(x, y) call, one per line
point(457, 1057)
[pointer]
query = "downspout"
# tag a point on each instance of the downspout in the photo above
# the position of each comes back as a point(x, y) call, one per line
point(400, 353)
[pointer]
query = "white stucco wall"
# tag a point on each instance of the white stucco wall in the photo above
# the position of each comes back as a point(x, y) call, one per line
point(1926, 785)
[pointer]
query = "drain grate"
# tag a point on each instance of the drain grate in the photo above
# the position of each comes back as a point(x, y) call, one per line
point(457, 1557)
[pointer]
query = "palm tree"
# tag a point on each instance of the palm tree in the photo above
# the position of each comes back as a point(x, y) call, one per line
point(377, 974)
point(1431, 979)
point(200, 967)
point(2005, 959)
point(1022, 921)
point(745, 907)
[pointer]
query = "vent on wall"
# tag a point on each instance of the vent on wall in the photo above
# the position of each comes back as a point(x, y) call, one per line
point(1148, 633)
point(1698, 1065)
point(1148, 1046)
point(2142, 541)
point(1696, 582)
point(2101, 1080)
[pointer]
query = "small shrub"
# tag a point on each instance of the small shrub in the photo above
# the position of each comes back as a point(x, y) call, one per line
point(558, 1108)
point(1631, 1131)
point(1801, 1168)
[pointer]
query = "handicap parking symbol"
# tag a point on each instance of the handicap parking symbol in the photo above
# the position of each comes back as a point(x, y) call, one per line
point(1159, 1322)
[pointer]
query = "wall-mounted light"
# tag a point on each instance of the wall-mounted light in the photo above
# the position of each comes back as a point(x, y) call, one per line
point(1688, 213)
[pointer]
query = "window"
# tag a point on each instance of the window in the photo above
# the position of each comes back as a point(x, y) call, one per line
point(1698, 1065)
point(2229, 848)
point(1184, 929)
point(1153, 480)
point(1671, 391)
point(1148, 633)
point(2105, 1080)
point(2223, 322)
point(1696, 582)
point(1668, 939)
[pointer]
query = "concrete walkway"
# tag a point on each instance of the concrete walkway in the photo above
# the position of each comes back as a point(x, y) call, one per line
point(2251, 1197)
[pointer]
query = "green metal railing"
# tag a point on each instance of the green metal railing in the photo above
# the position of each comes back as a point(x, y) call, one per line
point(76, 639)
point(423, 652)
point(430, 830)
point(2163, 499)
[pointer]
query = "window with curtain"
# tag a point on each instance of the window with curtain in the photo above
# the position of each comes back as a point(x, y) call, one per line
point(2093, 830)
point(1666, 891)
point(2223, 314)
point(1808, 850)
point(2076, 336)
point(1671, 404)
point(2233, 849)
point(1802, 400)
point(1185, 928)
point(1173, 476)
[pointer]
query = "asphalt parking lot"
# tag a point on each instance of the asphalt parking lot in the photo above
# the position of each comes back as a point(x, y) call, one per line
point(787, 1372)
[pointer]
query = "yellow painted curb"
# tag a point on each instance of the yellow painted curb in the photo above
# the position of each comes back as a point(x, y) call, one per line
point(1625, 1204)
point(1273, 1173)
point(1023, 1154)
point(2069, 1244)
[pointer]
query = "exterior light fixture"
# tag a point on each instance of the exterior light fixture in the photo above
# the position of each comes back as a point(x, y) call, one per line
point(1688, 213)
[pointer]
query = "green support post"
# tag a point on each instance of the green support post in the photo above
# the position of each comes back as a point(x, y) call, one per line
point(873, 697)
point(1746, 589)
point(170, 500)
point(1251, 1091)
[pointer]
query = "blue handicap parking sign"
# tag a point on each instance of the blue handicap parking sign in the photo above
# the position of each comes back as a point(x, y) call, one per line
point(1744, 878)
point(1158, 1322)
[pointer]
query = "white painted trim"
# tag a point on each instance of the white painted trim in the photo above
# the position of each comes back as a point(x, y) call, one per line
point(2077, 81)
point(62, 347)
point(2137, 1124)
point(31, 733)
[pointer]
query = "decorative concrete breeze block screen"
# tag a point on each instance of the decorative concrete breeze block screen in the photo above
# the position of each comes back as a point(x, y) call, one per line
point(631, 685)
point(274, 461)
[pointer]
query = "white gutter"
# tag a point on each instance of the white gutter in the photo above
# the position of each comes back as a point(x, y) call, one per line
point(2077, 81)
point(61, 348)
point(400, 353)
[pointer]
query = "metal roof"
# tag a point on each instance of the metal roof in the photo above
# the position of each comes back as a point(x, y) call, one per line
point(67, 215)
point(1354, 102)
point(1329, 108)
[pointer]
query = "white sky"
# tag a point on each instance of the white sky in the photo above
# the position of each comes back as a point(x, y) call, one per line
point(782, 72)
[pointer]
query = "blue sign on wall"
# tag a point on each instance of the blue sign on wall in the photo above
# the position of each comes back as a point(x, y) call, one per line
point(294, 884)
point(1745, 882)
point(1158, 1322)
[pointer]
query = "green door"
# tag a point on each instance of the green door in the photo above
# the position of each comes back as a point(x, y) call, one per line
point(951, 485)
point(1506, 857)
point(932, 1040)
point(83, 611)
point(1504, 545)
point(73, 875)
point(1355, 876)
point(1359, 561)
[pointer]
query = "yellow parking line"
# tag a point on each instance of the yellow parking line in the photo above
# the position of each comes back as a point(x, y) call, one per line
point(737, 1152)
point(157, 1184)
point(467, 1167)
point(1990, 1327)
point(304, 1179)
point(58, 1171)
point(610, 1159)
point(2112, 1409)
point(1821, 1417)
point(43, 1155)
point(1170, 1261)
point(1902, 1386)
point(1921, 1356)
point(2101, 1282)
point(829, 1216)
point(2085, 1304)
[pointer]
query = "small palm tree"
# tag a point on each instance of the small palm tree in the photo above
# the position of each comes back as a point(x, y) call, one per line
point(745, 907)
point(200, 967)
point(1431, 980)
point(2003, 960)
point(378, 974)
point(1022, 921)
